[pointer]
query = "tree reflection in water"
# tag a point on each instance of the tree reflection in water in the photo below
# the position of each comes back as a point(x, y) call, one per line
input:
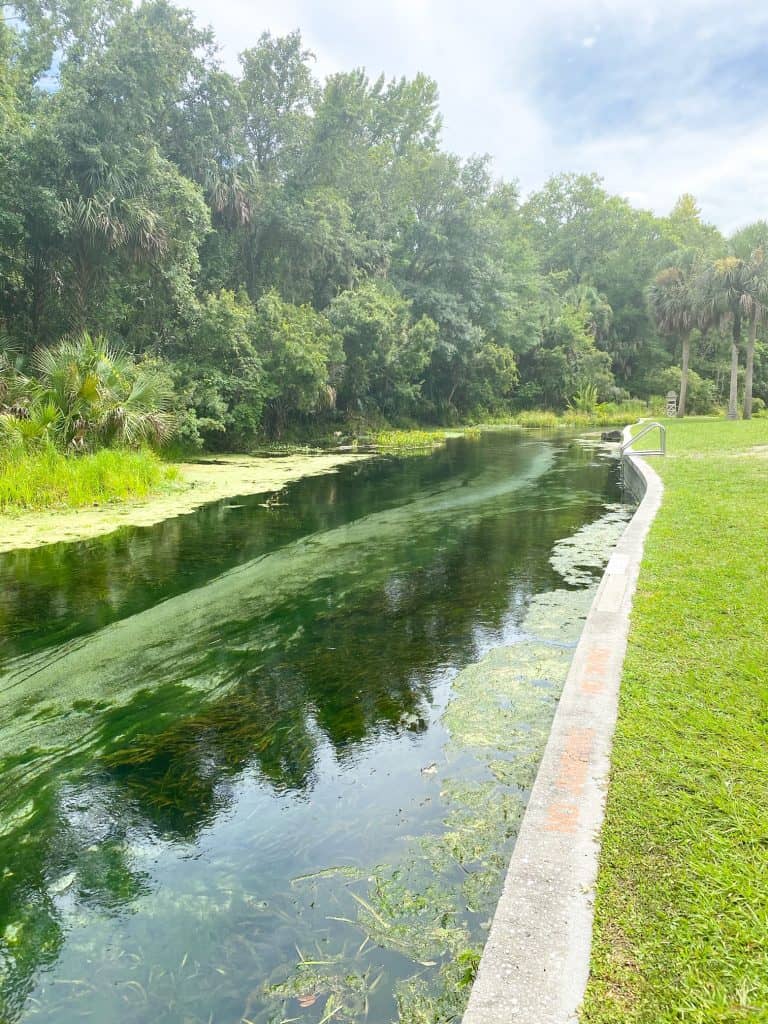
point(196, 713)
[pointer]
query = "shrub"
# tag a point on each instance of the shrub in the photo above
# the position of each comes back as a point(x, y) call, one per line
point(84, 394)
point(702, 396)
point(585, 399)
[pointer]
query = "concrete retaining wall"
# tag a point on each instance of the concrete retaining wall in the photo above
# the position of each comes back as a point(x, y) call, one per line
point(535, 965)
point(633, 477)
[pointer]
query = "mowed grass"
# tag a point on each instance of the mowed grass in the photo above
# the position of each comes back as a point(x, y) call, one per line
point(681, 930)
point(49, 479)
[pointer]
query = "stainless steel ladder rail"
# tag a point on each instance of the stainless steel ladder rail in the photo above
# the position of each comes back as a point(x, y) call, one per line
point(661, 450)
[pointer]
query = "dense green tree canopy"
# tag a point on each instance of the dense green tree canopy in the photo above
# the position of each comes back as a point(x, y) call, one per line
point(279, 249)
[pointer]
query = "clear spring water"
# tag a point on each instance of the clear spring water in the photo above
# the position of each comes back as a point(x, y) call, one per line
point(266, 762)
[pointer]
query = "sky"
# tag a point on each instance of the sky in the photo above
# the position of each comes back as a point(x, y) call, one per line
point(659, 97)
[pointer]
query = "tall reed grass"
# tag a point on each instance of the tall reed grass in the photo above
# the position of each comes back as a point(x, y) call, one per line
point(605, 415)
point(49, 479)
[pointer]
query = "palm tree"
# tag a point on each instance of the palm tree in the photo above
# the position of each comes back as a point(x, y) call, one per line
point(727, 289)
point(24, 420)
point(93, 393)
point(597, 308)
point(757, 307)
point(672, 303)
point(232, 193)
point(14, 386)
point(112, 213)
point(751, 245)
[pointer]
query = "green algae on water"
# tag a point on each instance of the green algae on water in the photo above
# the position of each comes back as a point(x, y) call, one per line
point(581, 558)
point(216, 835)
point(558, 615)
point(506, 701)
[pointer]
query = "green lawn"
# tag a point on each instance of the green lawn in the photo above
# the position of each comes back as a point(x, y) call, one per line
point(681, 930)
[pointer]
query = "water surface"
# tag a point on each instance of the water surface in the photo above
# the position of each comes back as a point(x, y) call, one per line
point(249, 771)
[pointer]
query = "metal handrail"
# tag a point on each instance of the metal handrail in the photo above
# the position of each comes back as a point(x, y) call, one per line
point(661, 450)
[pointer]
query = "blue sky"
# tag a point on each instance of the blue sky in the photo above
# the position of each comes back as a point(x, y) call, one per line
point(658, 97)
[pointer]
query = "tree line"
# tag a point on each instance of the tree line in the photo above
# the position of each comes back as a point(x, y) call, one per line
point(696, 294)
point(274, 251)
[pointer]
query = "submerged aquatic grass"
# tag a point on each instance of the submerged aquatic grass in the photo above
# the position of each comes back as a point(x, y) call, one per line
point(269, 795)
point(435, 904)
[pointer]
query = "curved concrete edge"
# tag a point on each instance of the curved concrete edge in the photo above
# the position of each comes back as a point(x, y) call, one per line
point(535, 965)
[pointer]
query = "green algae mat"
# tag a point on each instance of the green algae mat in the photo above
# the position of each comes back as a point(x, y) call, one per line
point(266, 762)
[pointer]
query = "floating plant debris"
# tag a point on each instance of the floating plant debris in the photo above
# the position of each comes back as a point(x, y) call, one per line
point(558, 615)
point(581, 558)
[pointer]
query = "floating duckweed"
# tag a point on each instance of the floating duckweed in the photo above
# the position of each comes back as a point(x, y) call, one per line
point(413, 915)
point(486, 817)
point(519, 772)
point(438, 1000)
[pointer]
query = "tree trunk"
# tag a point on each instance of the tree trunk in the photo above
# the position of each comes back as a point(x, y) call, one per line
point(733, 396)
point(684, 375)
point(750, 367)
point(83, 285)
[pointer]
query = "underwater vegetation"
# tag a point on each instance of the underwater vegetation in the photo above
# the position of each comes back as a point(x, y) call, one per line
point(436, 904)
point(287, 790)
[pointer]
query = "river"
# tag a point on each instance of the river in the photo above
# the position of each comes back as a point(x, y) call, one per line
point(266, 762)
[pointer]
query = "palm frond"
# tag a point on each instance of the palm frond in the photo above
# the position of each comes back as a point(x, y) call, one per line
point(99, 395)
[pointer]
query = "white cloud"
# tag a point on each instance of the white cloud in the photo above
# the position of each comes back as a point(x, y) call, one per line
point(669, 101)
point(730, 184)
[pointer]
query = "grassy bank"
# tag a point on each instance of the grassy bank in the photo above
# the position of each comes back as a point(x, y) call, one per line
point(682, 907)
point(400, 440)
point(49, 479)
point(609, 415)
